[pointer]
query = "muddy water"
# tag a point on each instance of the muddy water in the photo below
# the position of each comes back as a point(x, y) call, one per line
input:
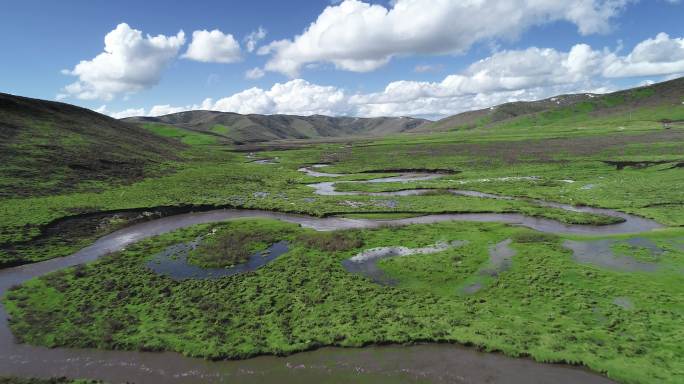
point(265, 161)
point(601, 253)
point(423, 363)
point(631, 223)
point(429, 362)
point(172, 262)
point(500, 256)
point(312, 172)
point(328, 188)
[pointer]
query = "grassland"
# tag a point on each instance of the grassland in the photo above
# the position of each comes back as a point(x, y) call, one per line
point(235, 243)
point(49, 148)
point(546, 305)
point(184, 135)
point(568, 165)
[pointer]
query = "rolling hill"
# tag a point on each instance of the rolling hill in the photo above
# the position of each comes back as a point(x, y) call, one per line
point(555, 109)
point(234, 128)
point(47, 146)
point(239, 129)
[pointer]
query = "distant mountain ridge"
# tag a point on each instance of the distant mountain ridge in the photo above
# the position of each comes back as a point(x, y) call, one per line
point(660, 94)
point(253, 128)
point(258, 128)
point(46, 145)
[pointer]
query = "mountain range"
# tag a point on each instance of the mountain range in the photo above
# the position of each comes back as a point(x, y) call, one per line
point(241, 129)
point(65, 145)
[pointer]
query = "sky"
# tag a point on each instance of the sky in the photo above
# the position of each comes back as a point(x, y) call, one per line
point(423, 58)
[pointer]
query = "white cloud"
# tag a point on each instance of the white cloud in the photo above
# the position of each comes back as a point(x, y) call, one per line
point(121, 114)
point(672, 76)
point(254, 38)
point(423, 68)
point(296, 97)
point(437, 107)
point(213, 47)
point(524, 75)
point(358, 36)
point(661, 55)
point(254, 73)
point(130, 63)
point(505, 76)
point(504, 71)
point(156, 110)
point(166, 109)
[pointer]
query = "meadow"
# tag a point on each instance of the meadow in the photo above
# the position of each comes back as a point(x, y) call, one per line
point(563, 165)
point(547, 305)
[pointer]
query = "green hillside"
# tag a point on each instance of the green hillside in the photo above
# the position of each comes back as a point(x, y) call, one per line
point(47, 146)
point(239, 129)
point(654, 103)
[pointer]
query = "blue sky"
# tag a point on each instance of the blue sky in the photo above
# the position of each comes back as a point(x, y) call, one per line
point(406, 57)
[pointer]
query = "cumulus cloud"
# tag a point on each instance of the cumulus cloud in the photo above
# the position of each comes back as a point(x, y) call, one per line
point(130, 63)
point(121, 114)
point(166, 109)
point(504, 71)
point(525, 75)
point(254, 38)
point(254, 73)
point(213, 47)
point(505, 76)
point(157, 110)
point(296, 97)
point(661, 55)
point(357, 36)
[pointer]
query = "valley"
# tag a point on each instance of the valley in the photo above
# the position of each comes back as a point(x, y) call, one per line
point(536, 242)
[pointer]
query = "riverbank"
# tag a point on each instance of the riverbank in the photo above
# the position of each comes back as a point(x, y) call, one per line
point(305, 299)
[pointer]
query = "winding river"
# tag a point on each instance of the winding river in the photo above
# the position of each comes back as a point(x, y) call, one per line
point(376, 364)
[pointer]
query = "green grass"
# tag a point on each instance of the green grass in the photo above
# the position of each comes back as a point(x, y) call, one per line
point(185, 136)
point(49, 148)
point(227, 180)
point(545, 306)
point(220, 129)
point(236, 242)
point(638, 253)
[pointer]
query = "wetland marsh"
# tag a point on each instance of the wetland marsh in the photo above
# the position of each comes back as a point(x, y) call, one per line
point(549, 255)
